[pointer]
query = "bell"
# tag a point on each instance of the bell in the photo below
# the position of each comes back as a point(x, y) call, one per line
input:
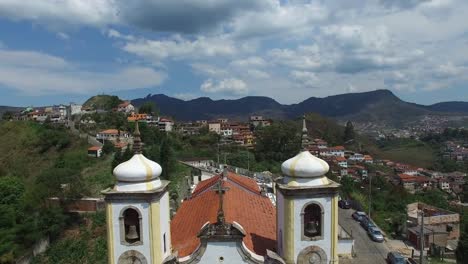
point(132, 233)
point(311, 229)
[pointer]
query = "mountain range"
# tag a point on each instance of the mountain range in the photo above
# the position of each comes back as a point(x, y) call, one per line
point(374, 106)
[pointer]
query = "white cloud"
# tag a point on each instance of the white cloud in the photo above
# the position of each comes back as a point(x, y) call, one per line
point(180, 48)
point(63, 36)
point(254, 61)
point(230, 86)
point(304, 77)
point(257, 74)
point(48, 74)
point(208, 70)
point(59, 14)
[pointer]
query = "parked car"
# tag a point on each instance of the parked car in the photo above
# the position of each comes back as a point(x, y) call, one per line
point(375, 234)
point(358, 215)
point(344, 204)
point(395, 258)
point(366, 223)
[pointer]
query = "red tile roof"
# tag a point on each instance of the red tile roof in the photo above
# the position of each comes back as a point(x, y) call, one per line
point(242, 203)
point(94, 148)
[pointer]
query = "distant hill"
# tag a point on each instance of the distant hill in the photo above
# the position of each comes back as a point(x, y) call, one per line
point(4, 109)
point(104, 102)
point(375, 106)
point(454, 107)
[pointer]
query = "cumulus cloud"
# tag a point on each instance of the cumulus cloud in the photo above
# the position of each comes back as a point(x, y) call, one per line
point(304, 77)
point(178, 48)
point(230, 86)
point(48, 74)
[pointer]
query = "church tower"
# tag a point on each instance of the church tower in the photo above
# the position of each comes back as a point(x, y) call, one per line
point(137, 210)
point(307, 210)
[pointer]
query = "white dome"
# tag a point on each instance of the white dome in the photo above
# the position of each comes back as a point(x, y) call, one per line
point(305, 165)
point(137, 169)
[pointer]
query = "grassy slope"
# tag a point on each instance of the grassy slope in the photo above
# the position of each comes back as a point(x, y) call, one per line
point(409, 151)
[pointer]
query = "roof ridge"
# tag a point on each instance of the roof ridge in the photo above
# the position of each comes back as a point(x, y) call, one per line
point(242, 185)
point(208, 183)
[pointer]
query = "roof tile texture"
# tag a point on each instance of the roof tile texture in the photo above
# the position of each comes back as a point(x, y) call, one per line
point(242, 203)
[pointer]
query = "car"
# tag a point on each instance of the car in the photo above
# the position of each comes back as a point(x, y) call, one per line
point(344, 204)
point(366, 223)
point(395, 258)
point(375, 234)
point(358, 215)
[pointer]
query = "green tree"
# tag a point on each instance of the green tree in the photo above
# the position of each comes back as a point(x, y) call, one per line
point(277, 142)
point(108, 147)
point(349, 132)
point(462, 249)
point(8, 115)
point(167, 158)
point(148, 107)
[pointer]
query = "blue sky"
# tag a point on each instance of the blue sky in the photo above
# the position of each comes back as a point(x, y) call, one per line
point(62, 51)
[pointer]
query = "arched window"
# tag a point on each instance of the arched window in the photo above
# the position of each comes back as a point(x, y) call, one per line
point(312, 221)
point(130, 227)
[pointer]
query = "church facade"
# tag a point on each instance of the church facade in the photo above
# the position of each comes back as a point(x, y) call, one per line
point(227, 219)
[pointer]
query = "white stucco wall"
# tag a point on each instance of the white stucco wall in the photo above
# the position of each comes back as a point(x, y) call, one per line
point(119, 249)
point(144, 209)
point(326, 242)
point(345, 246)
point(226, 250)
point(299, 245)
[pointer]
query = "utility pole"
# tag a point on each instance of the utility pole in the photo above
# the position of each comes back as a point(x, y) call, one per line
point(370, 194)
point(218, 152)
point(421, 239)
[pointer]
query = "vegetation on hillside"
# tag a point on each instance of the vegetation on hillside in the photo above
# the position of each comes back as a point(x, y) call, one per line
point(103, 102)
point(38, 162)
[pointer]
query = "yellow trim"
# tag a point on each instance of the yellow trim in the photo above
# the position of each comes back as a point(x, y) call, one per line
point(289, 225)
point(110, 234)
point(149, 172)
point(156, 236)
point(334, 231)
point(292, 167)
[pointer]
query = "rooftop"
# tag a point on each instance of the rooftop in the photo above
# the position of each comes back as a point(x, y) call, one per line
point(242, 203)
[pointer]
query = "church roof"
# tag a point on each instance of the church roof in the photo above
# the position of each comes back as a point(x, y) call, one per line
point(242, 203)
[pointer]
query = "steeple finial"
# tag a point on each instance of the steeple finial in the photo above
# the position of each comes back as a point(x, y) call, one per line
point(220, 217)
point(137, 144)
point(305, 136)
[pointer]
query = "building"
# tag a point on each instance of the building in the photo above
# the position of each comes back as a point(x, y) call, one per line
point(440, 226)
point(75, 109)
point(258, 120)
point(95, 151)
point(227, 218)
point(413, 183)
point(137, 117)
point(368, 159)
point(356, 157)
point(337, 151)
point(165, 125)
point(125, 107)
point(341, 161)
point(137, 212)
point(112, 135)
point(214, 127)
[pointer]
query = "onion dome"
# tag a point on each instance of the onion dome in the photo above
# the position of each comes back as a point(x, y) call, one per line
point(137, 169)
point(138, 173)
point(304, 165)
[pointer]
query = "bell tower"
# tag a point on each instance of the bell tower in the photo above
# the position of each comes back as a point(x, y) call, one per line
point(307, 210)
point(137, 211)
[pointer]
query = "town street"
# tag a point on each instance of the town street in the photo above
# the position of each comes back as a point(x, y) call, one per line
point(366, 251)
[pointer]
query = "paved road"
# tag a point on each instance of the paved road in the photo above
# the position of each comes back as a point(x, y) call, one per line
point(366, 250)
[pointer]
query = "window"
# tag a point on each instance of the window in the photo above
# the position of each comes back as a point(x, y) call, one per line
point(130, 227)
point(312, 221)
point(164, 242)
